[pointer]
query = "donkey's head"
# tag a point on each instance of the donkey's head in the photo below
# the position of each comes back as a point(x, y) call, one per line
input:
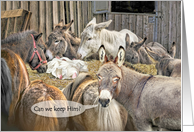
point(37, 58)
point(132, 55)
point(110, 76)
point(57, 43)
point(90, 38)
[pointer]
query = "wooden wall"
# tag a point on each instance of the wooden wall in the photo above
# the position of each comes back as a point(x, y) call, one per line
point(46, 14)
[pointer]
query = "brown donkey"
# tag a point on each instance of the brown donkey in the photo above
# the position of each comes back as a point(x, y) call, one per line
point(136, 52)
point(14, 80)
point(84, 90)
point(62, 42)
point(30, 47)
point(151, 101)
point(37, 92)
point(18, 96)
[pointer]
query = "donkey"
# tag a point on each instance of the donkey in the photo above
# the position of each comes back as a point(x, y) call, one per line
point(95, 34)
point(167, 66)
point(84, 90)
point(151, 101)
point(137, 52)
point(62, 42)
point(37, 92)
point(30, 47)
point(14, 79)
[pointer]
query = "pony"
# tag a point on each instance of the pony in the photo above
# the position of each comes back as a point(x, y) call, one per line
point(14, 79)
point(151, 101)
point(84, 90)
point(94, 35)
point(62, 42)
point(18, 95)
point(138, 52)
point(30, 47)
point(37, 92)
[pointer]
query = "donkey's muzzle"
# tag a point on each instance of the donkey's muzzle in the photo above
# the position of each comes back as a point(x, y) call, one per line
point(104, 102)
point(79, 56)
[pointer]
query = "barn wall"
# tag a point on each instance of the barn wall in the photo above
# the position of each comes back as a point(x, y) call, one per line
point(46, 14)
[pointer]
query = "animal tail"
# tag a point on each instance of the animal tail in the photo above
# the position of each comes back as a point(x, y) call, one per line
point(6, 87)
point(46, 123)
point(71, 88)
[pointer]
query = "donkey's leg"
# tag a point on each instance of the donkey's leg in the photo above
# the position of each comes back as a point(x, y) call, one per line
point(142, 124)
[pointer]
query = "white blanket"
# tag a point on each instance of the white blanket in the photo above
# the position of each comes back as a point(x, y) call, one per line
point(64, 68)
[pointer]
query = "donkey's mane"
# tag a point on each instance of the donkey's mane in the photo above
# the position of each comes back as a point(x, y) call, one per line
point(72, 34)
point(17, 36)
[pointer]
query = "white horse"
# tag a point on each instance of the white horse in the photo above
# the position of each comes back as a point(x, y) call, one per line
point(95, 35)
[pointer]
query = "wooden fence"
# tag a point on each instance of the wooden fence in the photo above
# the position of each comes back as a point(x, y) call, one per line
point(46, 14)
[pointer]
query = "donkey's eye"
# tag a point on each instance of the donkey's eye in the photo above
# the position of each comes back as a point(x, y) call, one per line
point(89, 38)
point(57, 41)
point(99, 77)
point(115, 79)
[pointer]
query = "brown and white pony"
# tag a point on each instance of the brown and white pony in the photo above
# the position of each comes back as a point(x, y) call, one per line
point(30, 47)
point(18, 95)
point(84, 90)
point(62, 42)
point(37, 92)
point(14, 80)
point(151, 101)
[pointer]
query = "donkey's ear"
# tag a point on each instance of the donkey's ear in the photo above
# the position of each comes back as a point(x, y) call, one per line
point(172, 50)
point(93, 21)
point(127, 39)
point(139, 44)
point(37, 36)
point(102, 25)
point(102, 54)
point(120, 59)
point(67, 26)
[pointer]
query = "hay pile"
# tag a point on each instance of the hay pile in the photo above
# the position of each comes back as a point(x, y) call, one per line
point(93, 67)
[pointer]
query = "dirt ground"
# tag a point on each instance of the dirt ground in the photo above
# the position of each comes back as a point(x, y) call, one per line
point(93, 67)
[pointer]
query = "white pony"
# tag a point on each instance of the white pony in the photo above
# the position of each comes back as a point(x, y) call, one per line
point(94, 35)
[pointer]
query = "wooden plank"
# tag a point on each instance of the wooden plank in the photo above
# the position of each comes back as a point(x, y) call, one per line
point(62, 11)
point(159, 28)
point(150, 32)
point(139, 25)
point(8, 5)
point(125, 20)
point(104, 17)
point(55, 13)
point(42, 16)
point(24, 5)
point(89, 10)
point(75, 17)
point(34, 19)
point(132, 22)
point(71, 15)
point(67, 11)
point(118, 24)
point(170, 29)
point(174, 23)
point(145, 27)
point(85, 13)
point(16, 5)
point(4, 24)
point(178, 28)
point(3, 5)
point(79, 18)
point(49, 23)
point(7, 27)
point(165, 24)
point(112, 24)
